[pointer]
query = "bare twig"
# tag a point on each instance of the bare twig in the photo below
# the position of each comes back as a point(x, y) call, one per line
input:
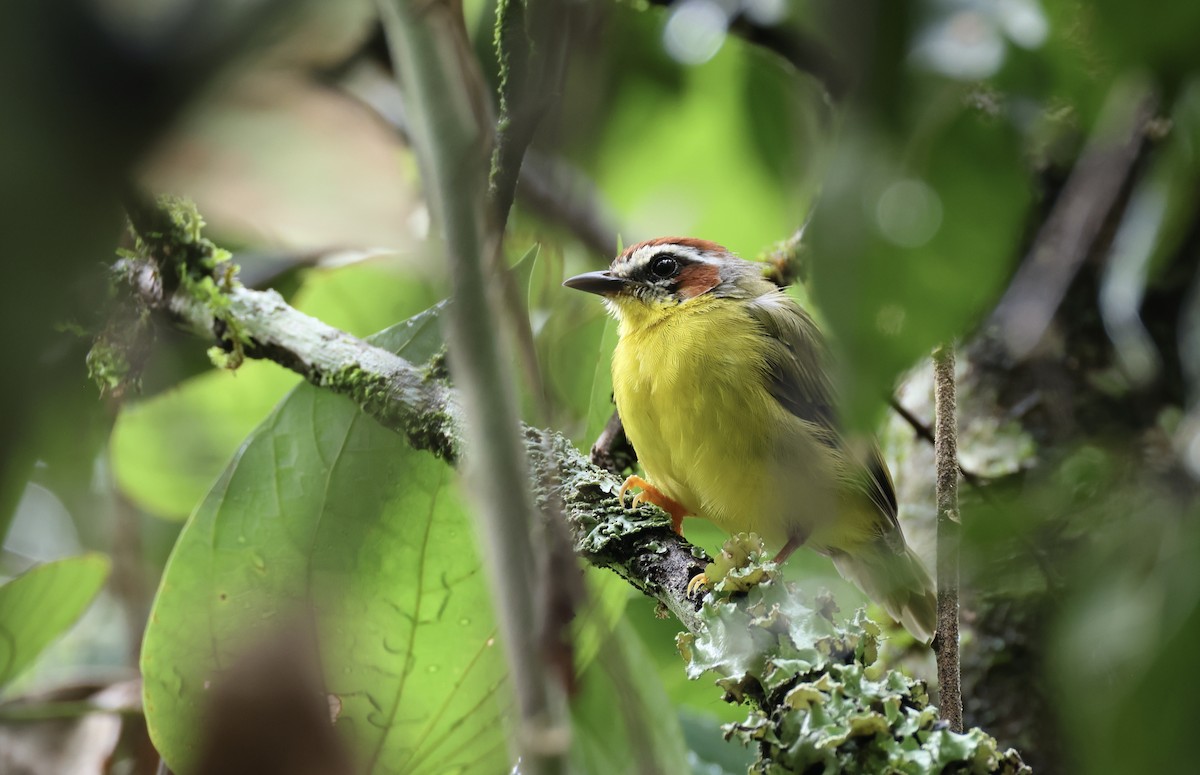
point(803, 51)
point(546, 185)
point(552, 189)
point(980, 483)
point(948, 527)
point(925, 433)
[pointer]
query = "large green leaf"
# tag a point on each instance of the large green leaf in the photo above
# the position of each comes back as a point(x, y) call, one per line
point(168, 450)
point(40, 604)
point(323, 509)
point(367, 296)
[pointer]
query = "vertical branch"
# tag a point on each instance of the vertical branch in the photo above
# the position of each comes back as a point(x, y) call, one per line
point(451, 131)
point(945, 451)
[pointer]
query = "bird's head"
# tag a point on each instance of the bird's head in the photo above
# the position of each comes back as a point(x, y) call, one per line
point(653, 279)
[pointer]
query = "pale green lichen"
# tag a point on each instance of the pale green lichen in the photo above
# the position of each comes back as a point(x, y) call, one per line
point(817, 704)
point(743, 563)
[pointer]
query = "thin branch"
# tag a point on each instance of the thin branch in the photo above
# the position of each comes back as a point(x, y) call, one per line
point(925, 433)
point(945, 450)
point(547, 185)
point(980, 483)
point(803, 51)
point(551, 188)
point(22, 712)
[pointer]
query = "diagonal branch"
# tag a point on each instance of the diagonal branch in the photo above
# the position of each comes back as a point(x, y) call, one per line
point(412, 401)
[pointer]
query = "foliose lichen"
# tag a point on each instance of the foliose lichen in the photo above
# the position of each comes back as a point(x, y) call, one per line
point(741, 565)
point(817, 705)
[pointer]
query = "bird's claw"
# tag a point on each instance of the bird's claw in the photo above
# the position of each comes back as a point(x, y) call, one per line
point(638, 498)
point(698, 582)
point(650, 494)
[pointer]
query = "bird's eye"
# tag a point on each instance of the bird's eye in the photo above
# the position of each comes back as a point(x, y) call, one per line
point(663, 266)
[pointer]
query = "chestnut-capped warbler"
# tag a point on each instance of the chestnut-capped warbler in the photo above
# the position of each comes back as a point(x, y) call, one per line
point(722, 382)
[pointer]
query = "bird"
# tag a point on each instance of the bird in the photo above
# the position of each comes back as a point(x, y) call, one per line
point(723, 383)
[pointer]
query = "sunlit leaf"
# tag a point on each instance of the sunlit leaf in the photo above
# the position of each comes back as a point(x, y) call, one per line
point(167, 451)
point(40, 604)
point(365, 297)
point(570, 351)
point(523, 271)
point(324, 510)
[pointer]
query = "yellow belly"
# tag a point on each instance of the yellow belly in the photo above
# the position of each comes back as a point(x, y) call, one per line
point(692, 393)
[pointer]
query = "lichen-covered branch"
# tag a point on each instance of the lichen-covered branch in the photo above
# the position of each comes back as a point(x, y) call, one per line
point(401, 396)
point(414, 401)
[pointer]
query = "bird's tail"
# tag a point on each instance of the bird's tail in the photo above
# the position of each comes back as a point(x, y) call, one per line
point(897, 581)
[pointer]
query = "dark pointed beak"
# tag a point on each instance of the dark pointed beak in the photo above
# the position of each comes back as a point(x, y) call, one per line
point(603, 283)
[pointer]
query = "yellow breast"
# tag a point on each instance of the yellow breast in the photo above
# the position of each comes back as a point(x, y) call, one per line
point(690, 387)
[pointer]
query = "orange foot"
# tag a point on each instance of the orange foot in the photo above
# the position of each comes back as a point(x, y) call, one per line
point(650, 494)
point(699, 582)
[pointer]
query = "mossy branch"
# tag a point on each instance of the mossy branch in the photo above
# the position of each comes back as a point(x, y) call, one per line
point(815, 695)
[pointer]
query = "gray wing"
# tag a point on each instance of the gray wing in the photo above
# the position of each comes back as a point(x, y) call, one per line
point(798, 363)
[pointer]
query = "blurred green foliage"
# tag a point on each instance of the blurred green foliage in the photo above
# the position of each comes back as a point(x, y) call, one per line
point(927, 173)
point(40, 604)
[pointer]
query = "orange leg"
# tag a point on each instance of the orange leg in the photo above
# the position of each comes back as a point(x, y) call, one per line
point(650, 494)
point(794, 542)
